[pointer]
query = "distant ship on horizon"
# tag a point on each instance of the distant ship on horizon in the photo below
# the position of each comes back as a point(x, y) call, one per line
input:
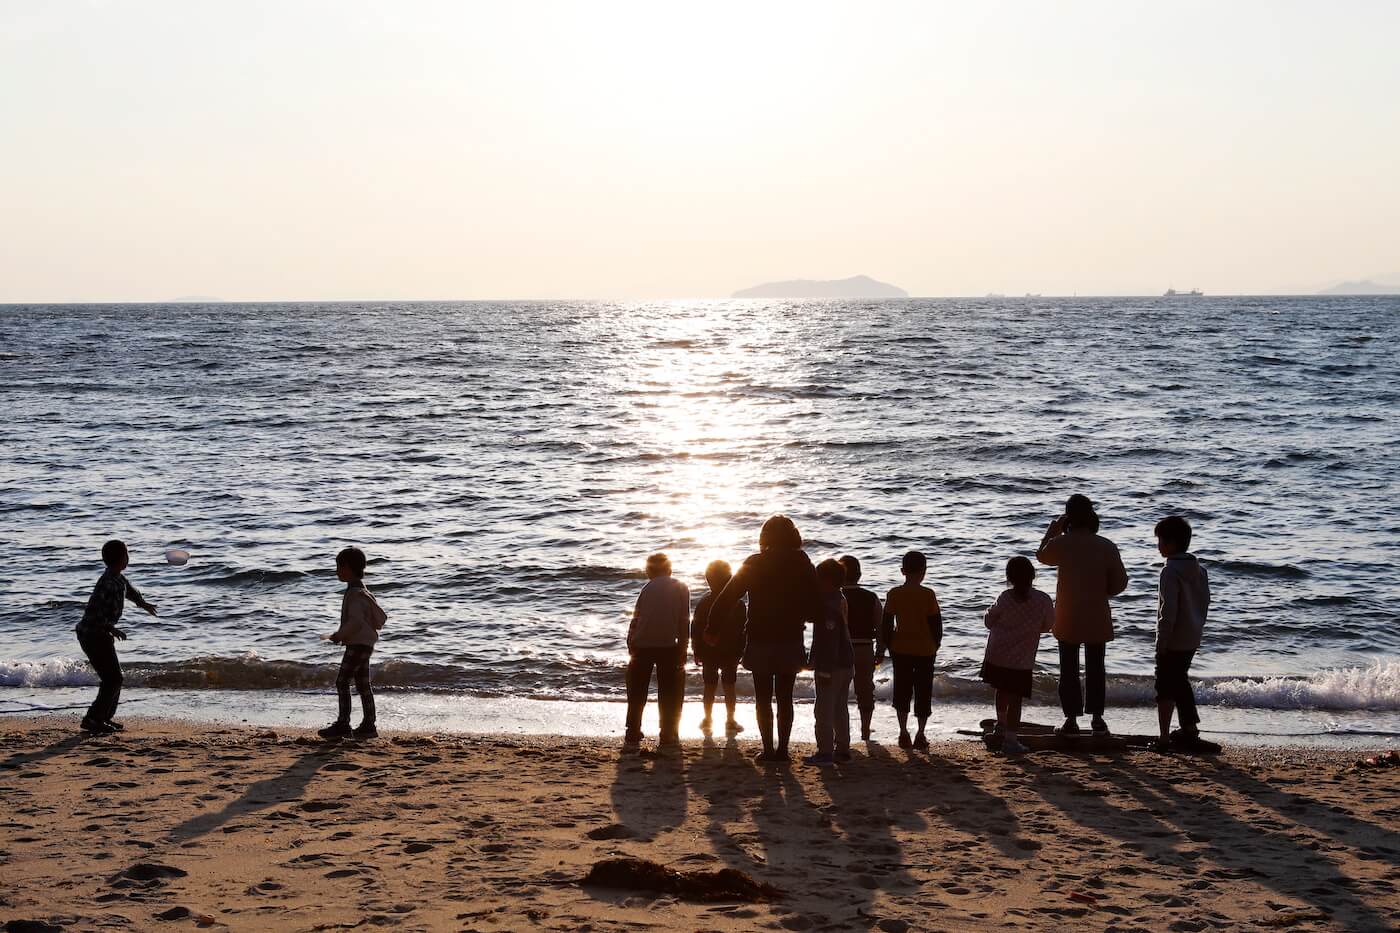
point(1173, 293)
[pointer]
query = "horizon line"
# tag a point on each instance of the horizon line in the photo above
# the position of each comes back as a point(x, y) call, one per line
point(981, 297)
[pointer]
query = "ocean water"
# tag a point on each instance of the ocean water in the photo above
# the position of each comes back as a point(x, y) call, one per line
point(508, 466)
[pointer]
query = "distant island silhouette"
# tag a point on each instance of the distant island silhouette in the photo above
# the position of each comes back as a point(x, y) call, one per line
point(1363, 287)
point(857, 286)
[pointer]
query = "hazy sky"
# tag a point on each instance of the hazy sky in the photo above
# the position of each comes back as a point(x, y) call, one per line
point(653, 149)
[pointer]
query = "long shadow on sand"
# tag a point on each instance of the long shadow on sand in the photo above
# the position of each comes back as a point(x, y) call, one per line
point(1167, 817)
point(63, 746)
point(938, 785)
point(649, 793)
point(1333, 822)
point(1271, 857)
point(286, 787)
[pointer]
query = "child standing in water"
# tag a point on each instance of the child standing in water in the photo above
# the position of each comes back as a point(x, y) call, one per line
point(831, 663)
point(719, 663)
point(361, 618)
point(98, 634)
point(1183, 596)
point(913, 631)
point(1015, 623)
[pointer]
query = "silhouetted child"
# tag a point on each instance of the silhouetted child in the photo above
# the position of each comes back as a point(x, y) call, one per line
point(864, 615)
point(361, 618)
point(719, 663)
point(831, 662)
point(657, 639)
point(913, 626)
point(1015, 623)
point(98, 634)
point(1183, 596)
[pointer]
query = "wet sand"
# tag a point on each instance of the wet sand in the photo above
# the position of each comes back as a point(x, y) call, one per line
point(248, 829)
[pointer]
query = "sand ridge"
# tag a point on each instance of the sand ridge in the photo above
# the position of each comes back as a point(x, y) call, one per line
point(171, 824)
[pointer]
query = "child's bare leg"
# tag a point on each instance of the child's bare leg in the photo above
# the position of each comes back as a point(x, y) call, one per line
point(1013, 713)
point(1164, 716)
point(731, 698)
point(709, 700)
point(1001, 709)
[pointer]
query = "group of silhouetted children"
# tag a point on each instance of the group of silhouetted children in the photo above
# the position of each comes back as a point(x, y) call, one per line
point(852, 631)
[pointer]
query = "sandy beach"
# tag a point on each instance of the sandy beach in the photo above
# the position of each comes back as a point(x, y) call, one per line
point(171, 825)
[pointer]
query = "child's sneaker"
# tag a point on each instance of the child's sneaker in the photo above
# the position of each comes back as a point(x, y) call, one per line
point(732, 728)
point(1071, 727)
point(95, 727)
point(706, 726)
point(632, 742)
point(819, 760)
point(1099, 726)
point(1011, 745)
point(905, 741)
point(365, 730)
point(921, 742)
point(336, 730)
point(113, 725)
point(841, 758)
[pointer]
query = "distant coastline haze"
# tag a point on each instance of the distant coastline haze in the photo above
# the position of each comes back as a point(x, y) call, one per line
point(857, 286)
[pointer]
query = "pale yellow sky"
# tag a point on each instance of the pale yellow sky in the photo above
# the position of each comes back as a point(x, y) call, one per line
point(652, 149)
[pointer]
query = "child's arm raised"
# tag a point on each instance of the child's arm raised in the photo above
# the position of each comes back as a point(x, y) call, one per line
point(1048, 552)
point(135, 596)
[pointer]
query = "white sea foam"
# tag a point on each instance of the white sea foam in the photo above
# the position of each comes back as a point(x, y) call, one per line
point(1376, 687)
point(1349, 688)
point(50, 672)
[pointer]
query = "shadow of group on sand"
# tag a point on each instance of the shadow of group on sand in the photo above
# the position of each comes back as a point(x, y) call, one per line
point(761, 820)
point(1167, 812)
point(842, 853)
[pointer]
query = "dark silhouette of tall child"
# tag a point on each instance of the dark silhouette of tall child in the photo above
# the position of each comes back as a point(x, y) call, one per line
point(361, 618)
point(1089, 572)
point(781, 584)
point(98, 635)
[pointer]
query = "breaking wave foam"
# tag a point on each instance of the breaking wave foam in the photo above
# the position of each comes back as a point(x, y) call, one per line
point(1376, 687)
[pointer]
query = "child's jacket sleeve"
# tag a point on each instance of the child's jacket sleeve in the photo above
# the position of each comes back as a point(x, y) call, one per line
point(993, 613)
point(361, 618)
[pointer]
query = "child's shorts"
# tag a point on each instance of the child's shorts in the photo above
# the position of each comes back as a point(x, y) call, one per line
point(1171, 678)
point(1007, 678)
point(715, 671)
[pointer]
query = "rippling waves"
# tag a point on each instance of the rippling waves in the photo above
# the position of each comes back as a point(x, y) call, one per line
point(508, 467)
